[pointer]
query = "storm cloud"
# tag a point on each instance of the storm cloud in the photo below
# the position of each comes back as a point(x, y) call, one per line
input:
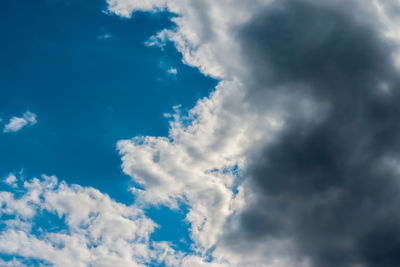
point(330, 181)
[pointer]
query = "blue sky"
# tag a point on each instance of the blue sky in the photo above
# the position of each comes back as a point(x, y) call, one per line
point(89, 92)
point(91, 81)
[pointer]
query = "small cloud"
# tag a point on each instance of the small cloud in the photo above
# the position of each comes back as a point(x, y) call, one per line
point(11, 180)
point(159, 40)
point(104, 36)
point(183, 241)
point(17, 123)
point(172, 71)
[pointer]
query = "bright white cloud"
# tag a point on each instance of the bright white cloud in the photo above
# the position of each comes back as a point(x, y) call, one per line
point(98, 231)
point(17, 123)
point(196, 164)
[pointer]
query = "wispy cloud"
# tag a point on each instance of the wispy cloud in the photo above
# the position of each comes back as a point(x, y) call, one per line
point(17, 123)
point(172, 71)
point(104, 36)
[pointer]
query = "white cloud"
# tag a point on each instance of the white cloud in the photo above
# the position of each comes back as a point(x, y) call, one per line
point(98, 231)
point(172, 71)
point(205, 30)
point(12, 263)
point(17, 123)
point(197, 162)
point(11, 180)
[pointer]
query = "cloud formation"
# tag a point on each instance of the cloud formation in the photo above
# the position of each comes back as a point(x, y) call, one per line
point(301, 135)
point(291, 162)
point(328, 183)
point(94, 229)
point(17, 123)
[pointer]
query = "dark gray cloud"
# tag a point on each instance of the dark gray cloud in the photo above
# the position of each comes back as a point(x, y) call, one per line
point(330, 185)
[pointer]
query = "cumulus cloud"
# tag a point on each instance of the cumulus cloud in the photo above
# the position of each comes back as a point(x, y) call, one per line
point(17, 123)
point(328, 185)
point(95, 230)
point(293, 160)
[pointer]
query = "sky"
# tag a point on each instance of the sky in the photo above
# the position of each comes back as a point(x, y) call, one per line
point(90, 80)
point(207, 133)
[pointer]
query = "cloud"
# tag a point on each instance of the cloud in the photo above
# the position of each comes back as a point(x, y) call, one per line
point(12, 263)
point(204, 30)
point(17, 123)
point(104, 36)
point(172, 71)
point(101, 232)
point(293, 160)
point(328, 184)
point(11, 180)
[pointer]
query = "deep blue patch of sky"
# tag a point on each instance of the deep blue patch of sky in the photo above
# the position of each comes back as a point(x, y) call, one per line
point(91, 81)
point(172, 226)
point(88, 92)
